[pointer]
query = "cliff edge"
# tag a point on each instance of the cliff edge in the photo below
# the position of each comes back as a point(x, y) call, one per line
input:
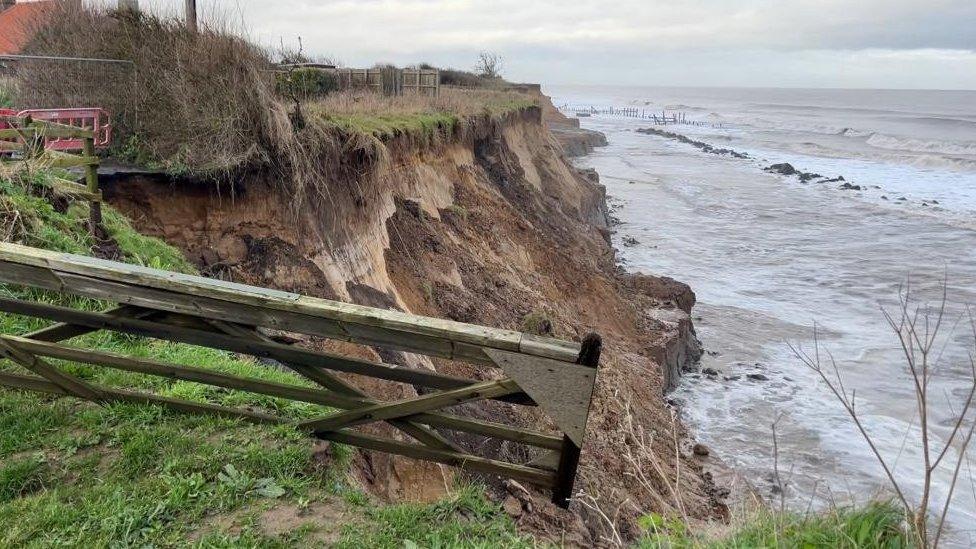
point(493, 227)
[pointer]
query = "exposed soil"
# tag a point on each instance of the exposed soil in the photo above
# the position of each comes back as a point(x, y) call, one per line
point(484, 231)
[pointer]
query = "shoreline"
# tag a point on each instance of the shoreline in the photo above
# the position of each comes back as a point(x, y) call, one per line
point(740, 496)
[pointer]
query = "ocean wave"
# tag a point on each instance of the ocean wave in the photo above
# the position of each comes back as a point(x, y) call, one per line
point(962, 122)
point(893, 143)
point(683, 107)
point(824, 108)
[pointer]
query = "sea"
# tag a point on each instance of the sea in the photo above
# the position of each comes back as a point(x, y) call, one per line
point(823, 269)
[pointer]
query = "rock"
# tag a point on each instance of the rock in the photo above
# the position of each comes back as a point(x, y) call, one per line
point(732, 378)
point(849, 187)
point(807, 176)
point(512, 506)
point(757, 377)
point(630, 241)
point(700, 450)
point(662, 288)
point(710, 372)
point(784, 168)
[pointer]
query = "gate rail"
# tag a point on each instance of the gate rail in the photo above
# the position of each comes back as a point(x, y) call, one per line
point(558, 376)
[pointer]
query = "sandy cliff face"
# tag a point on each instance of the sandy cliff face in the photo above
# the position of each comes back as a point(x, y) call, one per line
point(486, 230)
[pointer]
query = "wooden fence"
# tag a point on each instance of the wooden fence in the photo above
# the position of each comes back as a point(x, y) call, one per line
point(391, 81)
point(386, 80)
point(558, 376)
point(22, 145)
point(657, 117)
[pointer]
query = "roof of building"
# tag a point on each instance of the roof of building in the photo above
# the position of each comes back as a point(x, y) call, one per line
point(17, 23)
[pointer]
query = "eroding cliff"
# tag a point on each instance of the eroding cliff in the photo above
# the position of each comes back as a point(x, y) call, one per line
point(494, 228)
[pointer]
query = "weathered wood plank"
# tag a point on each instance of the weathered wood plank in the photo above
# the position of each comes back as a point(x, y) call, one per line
point(29, 361)
point(521, 435)
point(569, 456)
point(58, 159)
point(185, 373)
point(61, 331)
point(411, 406)
point(421, 433)
point(546, 479)
point(117, 395)
point(277, 351)
point(396, 322)
point(70, 188)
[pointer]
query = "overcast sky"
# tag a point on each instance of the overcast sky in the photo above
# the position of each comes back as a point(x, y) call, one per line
point(778, 43)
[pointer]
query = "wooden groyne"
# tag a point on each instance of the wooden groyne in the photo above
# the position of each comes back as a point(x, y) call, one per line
point(660, 118)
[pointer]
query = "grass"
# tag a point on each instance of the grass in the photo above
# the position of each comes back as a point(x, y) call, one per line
point(874, 526)
point(416, 116)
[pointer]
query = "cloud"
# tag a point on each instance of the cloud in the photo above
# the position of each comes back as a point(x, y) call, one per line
point(538, 37)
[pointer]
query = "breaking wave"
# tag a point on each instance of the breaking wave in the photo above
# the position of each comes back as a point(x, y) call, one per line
point(932, 146)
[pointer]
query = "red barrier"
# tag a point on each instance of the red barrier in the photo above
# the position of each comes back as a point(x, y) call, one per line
point(6, 112)
point(93, 119)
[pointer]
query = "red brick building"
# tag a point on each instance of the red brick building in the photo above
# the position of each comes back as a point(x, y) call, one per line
point(17, 19)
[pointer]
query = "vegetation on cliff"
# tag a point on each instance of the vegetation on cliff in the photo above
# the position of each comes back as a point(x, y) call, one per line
point(209, 104)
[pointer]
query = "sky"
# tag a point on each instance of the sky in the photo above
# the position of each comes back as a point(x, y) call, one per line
point(927, 44)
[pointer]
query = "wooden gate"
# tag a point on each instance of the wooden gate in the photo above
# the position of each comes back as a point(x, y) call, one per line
point(558, 376)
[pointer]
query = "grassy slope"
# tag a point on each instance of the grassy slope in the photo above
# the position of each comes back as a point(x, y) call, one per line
point(417, 117)
point(73, 473)
point(877, 525)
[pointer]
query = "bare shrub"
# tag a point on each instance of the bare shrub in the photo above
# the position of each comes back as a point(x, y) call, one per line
point(917, 328)
point(657, 486)
point(489, 65)
point(200, 101)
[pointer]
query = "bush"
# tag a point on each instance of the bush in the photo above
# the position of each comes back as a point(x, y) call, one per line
point(202, 99)
point(306, 83)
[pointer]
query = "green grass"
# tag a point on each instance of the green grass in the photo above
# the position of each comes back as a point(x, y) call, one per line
point(875, 526)
point(386, 126)
point(420, 118)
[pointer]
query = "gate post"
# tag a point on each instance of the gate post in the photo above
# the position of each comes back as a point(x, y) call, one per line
point(570, 455)
point(91, 180)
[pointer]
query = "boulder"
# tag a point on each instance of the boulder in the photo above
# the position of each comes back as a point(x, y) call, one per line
point(784, 169)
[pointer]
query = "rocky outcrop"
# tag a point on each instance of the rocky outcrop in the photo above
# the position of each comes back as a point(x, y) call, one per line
point(574, 140)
